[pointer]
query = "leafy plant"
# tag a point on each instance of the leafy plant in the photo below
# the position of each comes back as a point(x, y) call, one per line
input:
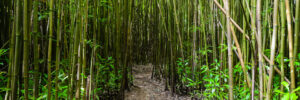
point(185, 74)
point(110, 76)
point(3, 52)
point(212, 78)
point(3, 78)
point(204, 51)
point(288, 95)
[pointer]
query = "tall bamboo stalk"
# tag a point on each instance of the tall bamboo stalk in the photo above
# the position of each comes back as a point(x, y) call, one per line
point(35, 49)
point(229, 50)
point(194, 39)
point(58, 38)
point(273, 45)
point(84, 48)
point(282, 41)
point(73, 49)
point(260, 56)
point(178, 29)
point(290, 38)
point(25, 52)
point(49, 85)
point(297, 28)
point(11, 57)
point(16, 62)
point(79, 50)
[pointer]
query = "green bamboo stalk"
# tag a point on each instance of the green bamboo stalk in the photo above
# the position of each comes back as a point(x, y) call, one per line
point(73, 49)
point(273, 45)
point(58, 38)
point(93, 55)
point(229, 49)
point(11, 58)
point(263, 38)
point(84, 49)
point(194, 39)
point(16, 62)
point(297, 27)
point(35, 49)
point(290, 38)
point(260, 56)
point(49, 85)
point(26, 48)
point(282, 41)
point(178, 29)
point(253, 33)
point(79, 49)
point(244, 41)
point(213, 30)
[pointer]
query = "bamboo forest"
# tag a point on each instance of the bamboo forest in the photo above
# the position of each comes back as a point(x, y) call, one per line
point(149, 50)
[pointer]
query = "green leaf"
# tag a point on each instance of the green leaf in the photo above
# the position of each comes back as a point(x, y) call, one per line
point(286, 97)
point(297, 63)
point(295, 90)
point(43, 16)
point(190, 80)
point(90, 16)
point(109, 58)
point(3, 51)
point(42, 97)
point(293, 96)
point(267, 51)
point(278, 58)
point(234, 48)
point(41, 61)
point(278, 91)
point(285, 84)
point(286, 60)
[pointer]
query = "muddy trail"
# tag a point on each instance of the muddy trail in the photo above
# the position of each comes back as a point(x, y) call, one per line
point(146, 88)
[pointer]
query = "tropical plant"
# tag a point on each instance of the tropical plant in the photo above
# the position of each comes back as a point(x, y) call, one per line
point(289, 94)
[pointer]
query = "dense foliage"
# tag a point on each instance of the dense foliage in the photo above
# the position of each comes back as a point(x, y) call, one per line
point(206, 49)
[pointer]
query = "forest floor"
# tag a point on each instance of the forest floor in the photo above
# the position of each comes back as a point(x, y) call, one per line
point(146, 88)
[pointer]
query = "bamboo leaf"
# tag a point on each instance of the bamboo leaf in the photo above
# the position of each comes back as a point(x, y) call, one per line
point(285, 84)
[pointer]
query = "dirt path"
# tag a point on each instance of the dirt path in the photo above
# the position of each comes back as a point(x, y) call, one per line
point(147, 89)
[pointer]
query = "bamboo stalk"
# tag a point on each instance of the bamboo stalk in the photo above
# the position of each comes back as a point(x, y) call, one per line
point(282, 44)
point(229, 50)
point(240, 56)
point(49, 85)
point(253, 38)
point(58, 38)
point(260, 57)
point(11, 58)
point(84, 49)
point(178, 31)
point(297, 29)
point(290, 38)
point(273, 45)
point(79, 51)
point(26, 48)
point(16, 62)
point(36, 49)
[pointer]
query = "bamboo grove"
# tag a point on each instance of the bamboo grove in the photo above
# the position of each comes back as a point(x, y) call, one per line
point(207, 49)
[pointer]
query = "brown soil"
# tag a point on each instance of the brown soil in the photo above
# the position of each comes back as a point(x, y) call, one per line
point(146, 88)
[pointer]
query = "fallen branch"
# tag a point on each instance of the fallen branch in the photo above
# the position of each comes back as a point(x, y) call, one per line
point(241, 57)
